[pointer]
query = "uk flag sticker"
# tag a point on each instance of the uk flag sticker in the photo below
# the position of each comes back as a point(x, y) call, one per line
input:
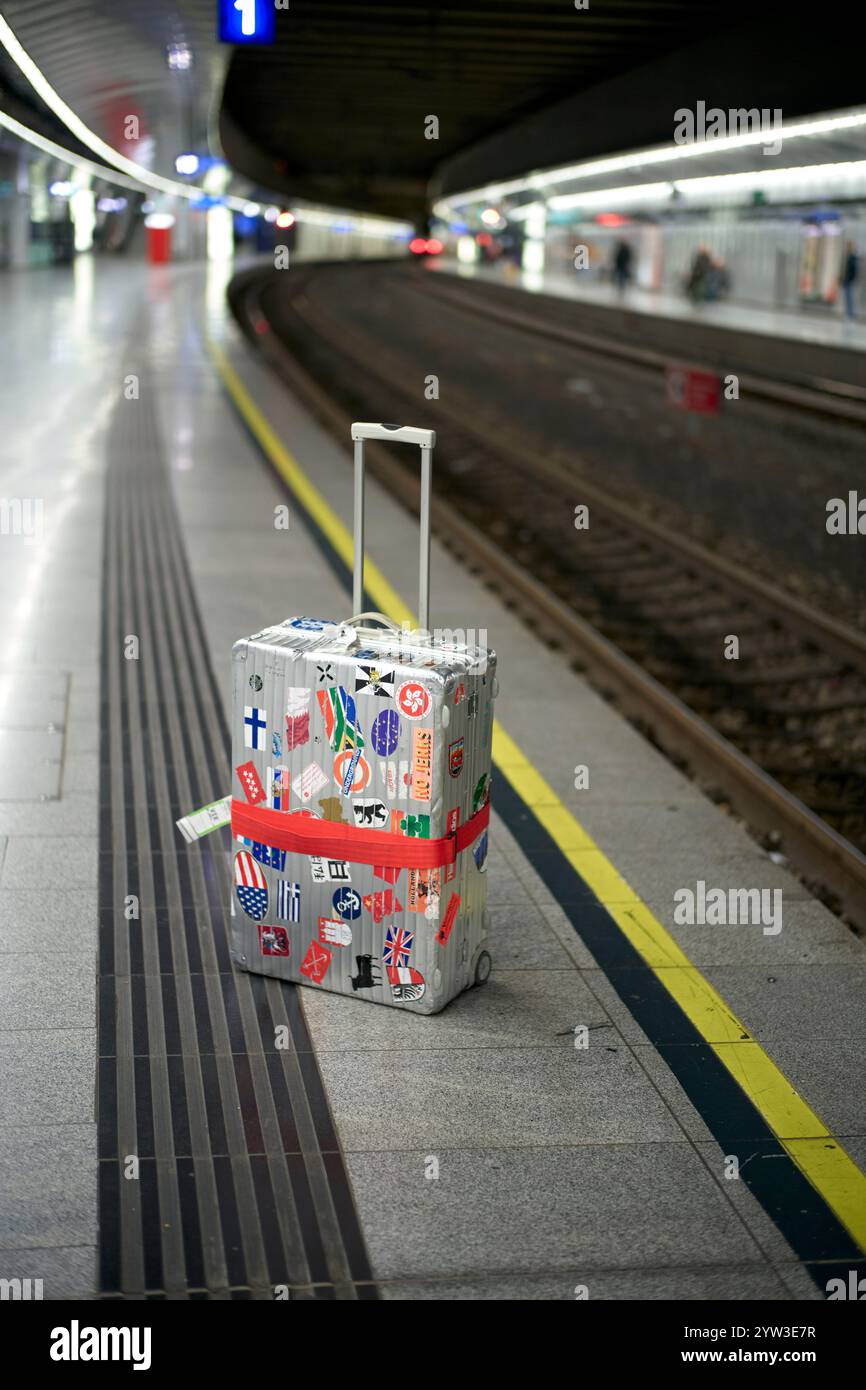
point(398, 945)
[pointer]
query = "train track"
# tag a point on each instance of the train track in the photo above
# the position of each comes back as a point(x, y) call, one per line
point(547, 317)
point(780, 736)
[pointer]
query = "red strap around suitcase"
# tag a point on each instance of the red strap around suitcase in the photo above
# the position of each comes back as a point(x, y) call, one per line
point(301, 834)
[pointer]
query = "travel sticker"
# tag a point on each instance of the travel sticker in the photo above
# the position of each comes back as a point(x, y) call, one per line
point(364, 977)
point(413, 700)
point(332, 810)
point(422, 764)
point(407, 984)
point(329, 870)
point(416, 827)
point(269, 856)
point(396, 775)
point(398, 946)
point(347, 904)
point(278, 788)
point(250, 886)
point(289, 901)
point(369, 680)
point(423, 891)
point(385, 733)
point(255, 726)
point(308, 782)
point(479, 853)
point(382, 903)
point(448, 920)
point(455, 757)
point(372, 814)
point(351, 772)
point(335, 932)
point(251, 783)
point(315, 963)
point(341, 719)
point(452, 821)
point(386, 872)
point(273, 941)
point(297, 717)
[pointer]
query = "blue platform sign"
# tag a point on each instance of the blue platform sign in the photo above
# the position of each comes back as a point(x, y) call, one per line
point(247, 21)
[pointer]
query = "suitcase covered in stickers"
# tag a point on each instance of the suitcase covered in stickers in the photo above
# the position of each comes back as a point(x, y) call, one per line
point(361, 794)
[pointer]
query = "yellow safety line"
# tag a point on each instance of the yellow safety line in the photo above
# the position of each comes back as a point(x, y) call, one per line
point(801, 1133)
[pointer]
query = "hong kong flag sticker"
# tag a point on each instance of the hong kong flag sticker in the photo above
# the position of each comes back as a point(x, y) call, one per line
point(413, 700)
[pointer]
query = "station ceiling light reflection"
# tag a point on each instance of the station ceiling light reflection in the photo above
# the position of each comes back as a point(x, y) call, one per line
point(142, 176)
point(812, 137)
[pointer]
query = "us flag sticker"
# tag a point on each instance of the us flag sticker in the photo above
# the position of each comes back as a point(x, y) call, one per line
point(251, 886)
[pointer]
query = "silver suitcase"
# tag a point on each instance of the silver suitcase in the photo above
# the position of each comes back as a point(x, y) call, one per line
point(360, 794)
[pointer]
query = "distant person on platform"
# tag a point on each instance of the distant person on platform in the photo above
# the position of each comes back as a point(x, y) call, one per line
point(849, 277)
point(717, 280)
point(698, 276)
point(621, 265)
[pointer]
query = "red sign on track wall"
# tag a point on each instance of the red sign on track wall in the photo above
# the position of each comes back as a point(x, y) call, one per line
point(689, 389)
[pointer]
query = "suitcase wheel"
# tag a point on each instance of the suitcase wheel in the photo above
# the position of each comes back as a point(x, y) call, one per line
point(483, 966)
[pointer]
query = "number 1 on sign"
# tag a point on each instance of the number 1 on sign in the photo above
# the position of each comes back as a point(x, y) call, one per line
point(248, 15)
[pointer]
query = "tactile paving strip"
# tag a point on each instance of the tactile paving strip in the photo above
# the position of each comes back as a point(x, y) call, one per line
point(220, 1171)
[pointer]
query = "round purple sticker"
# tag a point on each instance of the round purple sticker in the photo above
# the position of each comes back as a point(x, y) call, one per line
point(385, 732)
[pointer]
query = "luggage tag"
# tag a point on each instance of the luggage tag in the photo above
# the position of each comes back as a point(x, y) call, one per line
point(207, 819)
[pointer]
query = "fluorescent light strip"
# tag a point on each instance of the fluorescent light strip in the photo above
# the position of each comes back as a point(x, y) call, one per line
point(796, 175)
point(32, 137)
point(638, 159)
point(362, 226)
point(621, 197)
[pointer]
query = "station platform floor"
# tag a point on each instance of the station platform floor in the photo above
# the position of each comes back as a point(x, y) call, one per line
point(819, 326)
point(710, 1141)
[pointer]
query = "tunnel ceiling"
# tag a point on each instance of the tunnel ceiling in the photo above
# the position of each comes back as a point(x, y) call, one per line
point(335, 109)
point(108, 59)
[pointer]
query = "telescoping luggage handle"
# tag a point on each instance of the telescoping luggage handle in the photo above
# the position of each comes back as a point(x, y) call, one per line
point(403, 434)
